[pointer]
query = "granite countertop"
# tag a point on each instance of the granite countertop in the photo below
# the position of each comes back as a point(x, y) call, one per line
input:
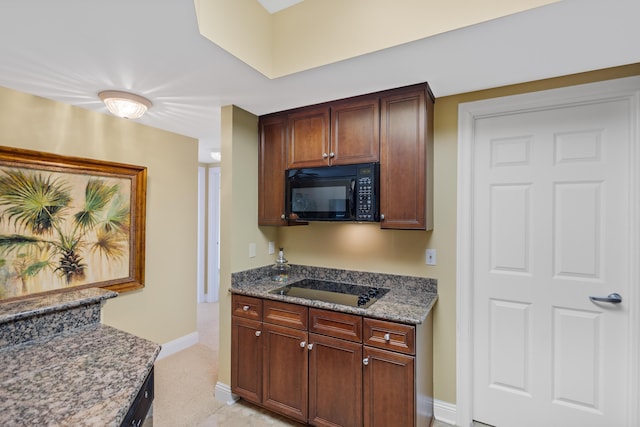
point(410, 299)
point(86, 377)
point(29, 307)
point(62, 367)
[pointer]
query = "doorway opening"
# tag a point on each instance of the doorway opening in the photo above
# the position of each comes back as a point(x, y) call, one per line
point(208, 233)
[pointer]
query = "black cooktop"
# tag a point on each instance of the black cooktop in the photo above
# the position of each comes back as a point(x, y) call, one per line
point(333, 292)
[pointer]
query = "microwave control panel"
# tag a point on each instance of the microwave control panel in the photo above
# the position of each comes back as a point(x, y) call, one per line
point(366, 197)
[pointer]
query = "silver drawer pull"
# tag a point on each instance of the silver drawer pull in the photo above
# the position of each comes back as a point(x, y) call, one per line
point(387, 337)
point(365, 361)
point(310, 346)
point(245, 308)
point(303, 344)
point(258, 333)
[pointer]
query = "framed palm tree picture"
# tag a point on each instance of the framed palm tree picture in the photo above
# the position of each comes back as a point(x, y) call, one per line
point(69, 222)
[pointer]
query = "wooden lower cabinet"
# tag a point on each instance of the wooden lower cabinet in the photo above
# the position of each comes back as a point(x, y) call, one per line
point(246, 365)
point(335, 382)
point(285, 371)
point(389, 391)
point(327, 368)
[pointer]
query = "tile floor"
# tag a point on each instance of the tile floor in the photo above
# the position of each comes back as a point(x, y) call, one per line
point(185, 384)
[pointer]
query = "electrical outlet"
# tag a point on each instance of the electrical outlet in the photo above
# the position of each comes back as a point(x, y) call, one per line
point(252, 250)
point(431, 257)
point(272, 248)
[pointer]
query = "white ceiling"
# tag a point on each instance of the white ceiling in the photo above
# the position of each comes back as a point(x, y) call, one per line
point(69, 50)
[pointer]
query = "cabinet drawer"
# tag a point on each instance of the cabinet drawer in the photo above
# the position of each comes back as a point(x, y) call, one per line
point(284, 314)
point(390, 335)
point(247, 307)
point(334, 324)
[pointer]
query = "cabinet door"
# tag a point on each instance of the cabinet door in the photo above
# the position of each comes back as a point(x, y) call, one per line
point(285, 371)
point(355, 131)
point(335, 382)
point(388, 388)
point(308, 138)
point(246, 360)
point(405, 136)
point(271, 166)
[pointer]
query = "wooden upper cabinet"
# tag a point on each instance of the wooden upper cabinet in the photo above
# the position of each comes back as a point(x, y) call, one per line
point(355, 131)
point(271, 169)
point(308, 138)
point(406, 159)
point(393, 127)
point(340, 133)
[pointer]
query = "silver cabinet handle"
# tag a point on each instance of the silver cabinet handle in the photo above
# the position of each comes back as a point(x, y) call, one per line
point(387, 337)
point(245, 308)
point(283, 216)
point(303, 344)
point(310, 346)
point(325, 155)
point(612, 298)
point(332, 154)
point(381, 217)
point(258, 333)
point(365, 361)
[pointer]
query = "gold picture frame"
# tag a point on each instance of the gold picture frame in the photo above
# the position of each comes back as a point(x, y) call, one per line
point(68, 223)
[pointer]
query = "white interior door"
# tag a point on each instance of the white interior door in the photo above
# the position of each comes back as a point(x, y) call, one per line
point(551, 227)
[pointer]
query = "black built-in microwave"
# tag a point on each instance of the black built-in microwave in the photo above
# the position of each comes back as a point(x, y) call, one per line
point(333, 193)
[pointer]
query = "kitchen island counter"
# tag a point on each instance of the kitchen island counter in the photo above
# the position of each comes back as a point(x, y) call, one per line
point(410, 299)
point(84, 375)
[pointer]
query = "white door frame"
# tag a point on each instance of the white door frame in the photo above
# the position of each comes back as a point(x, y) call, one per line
point(468, 113)
point(213, 235)
point(202, 197)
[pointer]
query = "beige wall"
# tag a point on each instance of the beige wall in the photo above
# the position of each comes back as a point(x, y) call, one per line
point(319, 32)
point(365, 247)
point(242, 27)
point(165, 309)
point(238, 217)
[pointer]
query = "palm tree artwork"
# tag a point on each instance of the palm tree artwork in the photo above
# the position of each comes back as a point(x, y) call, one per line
point(59, 230)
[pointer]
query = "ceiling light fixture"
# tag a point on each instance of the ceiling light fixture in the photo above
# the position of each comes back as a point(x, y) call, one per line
point(125, 104)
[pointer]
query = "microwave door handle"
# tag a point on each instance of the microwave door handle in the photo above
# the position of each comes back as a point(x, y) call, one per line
point(354, 194)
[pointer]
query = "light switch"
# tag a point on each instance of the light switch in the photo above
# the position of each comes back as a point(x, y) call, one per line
point(431, 257)
point(252, 250)
point(272, 248)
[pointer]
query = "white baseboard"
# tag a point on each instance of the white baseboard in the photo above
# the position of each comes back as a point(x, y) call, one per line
point(223, 394)
point(444, 411)
point(178, 344)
